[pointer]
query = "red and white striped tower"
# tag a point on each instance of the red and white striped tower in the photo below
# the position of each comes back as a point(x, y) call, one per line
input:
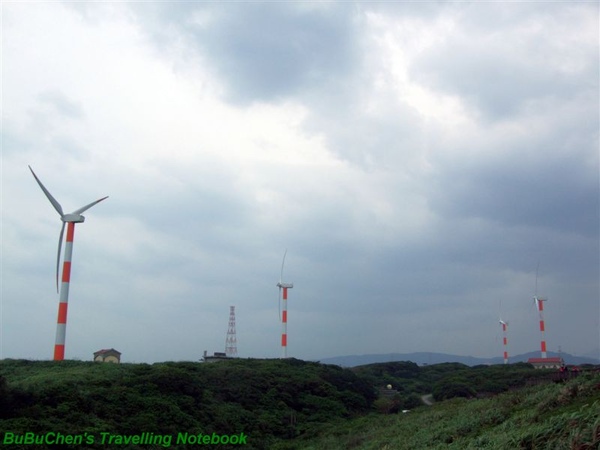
point(504, 340)
point(61, 323)
point(540, 305)
point(285, 287)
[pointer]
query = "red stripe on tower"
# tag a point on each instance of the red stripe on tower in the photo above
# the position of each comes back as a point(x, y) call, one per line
point(66, 274)
point(62, 312)
point(70, 232)
point(59, 352)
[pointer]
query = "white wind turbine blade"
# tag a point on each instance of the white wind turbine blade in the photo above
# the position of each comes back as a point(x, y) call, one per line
point(535, 305)
point(282, 263)
point(86, 207)
point(279, 284)
point(535, 296)
point(60, 238)
point(279, 302)
point(56, 205)
point(537, 269)
point(502, 321)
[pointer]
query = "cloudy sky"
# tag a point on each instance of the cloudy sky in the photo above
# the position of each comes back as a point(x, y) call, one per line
point(418, 161)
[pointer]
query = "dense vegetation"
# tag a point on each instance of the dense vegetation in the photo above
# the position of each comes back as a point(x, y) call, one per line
point(449, 380)
point(546, 416)
point(265, 399)
point(292, 404)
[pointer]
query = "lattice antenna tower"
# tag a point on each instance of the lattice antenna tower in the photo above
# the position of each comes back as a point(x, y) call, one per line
point(231, 342)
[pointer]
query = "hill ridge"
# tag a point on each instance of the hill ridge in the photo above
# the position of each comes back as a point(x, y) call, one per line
point(428, 358)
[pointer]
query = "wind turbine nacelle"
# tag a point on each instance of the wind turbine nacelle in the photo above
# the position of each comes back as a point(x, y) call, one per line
point(285, 285)
point(75, 218)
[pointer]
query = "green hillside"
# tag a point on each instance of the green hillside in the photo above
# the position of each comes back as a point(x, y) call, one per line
point(449, 380)
point(264, 399)
point(293, 404)
point(547, 416)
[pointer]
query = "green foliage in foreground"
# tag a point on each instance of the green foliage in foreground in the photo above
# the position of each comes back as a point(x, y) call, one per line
point(551, 416)
point(265, 399)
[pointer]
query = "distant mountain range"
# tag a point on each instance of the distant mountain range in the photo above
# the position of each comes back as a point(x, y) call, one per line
point(422, 358)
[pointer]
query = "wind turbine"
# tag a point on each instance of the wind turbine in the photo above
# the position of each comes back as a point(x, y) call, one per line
point(283, 286)
point(70, 219)
point(504, 326)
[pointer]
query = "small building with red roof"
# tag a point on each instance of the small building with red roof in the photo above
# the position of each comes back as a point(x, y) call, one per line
point(546, 363)
point(108, 355)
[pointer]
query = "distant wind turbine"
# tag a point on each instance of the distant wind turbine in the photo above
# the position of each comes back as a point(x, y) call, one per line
point(71, 219)
point(504, 340)
point(504, 332)
point(283, 286)
point(539, 303)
